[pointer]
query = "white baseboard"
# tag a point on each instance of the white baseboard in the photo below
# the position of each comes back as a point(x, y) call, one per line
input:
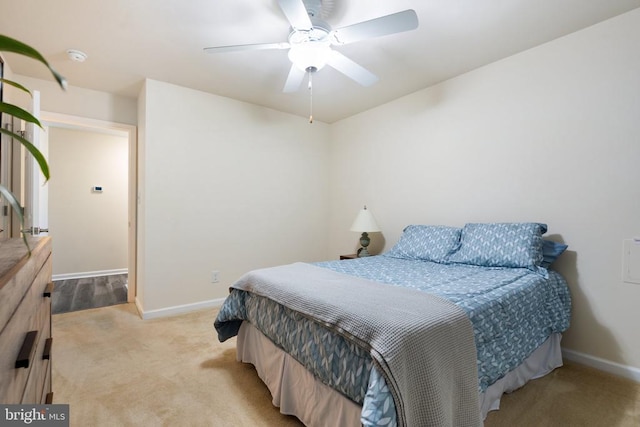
point(614, 368)
point(178, 309)
point(85, 274)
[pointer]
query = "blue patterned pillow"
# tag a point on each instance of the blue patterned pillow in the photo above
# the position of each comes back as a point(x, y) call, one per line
point(551, 251)
point(515, 245)
point(426, 243)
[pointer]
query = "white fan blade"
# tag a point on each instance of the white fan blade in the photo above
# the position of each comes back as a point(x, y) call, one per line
point(293, 81)
point(240, 47)
point(351, 69)
point(296, 13)
point(385, 25)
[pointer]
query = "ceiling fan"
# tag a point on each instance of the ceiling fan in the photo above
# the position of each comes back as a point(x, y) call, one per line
point(310, 41)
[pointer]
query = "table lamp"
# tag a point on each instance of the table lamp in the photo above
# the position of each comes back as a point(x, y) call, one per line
point(364, 223)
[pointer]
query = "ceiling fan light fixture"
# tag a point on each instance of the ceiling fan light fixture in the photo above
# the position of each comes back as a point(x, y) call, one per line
point(312, 55)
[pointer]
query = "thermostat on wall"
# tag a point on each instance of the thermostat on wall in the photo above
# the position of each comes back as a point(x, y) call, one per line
point(97, 189)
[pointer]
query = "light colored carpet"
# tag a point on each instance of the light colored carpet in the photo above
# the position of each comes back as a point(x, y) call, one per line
point(115, 369)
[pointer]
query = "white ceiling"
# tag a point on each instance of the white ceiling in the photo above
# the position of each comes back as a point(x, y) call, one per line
point(129, 40)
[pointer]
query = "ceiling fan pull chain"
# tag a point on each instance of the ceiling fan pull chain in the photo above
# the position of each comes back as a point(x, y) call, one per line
point(310, 96)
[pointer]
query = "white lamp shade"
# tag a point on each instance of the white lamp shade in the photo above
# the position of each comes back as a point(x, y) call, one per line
point(365, 222)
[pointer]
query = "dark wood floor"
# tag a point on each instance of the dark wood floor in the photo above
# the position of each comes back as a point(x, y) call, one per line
point(91, 292)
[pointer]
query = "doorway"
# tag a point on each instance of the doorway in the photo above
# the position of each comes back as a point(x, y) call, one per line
point(96, 250)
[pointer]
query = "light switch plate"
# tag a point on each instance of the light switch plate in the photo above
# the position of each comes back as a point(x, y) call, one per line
point(631, 261)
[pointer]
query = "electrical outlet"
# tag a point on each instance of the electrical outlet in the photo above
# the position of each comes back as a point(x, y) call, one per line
point(214, 276)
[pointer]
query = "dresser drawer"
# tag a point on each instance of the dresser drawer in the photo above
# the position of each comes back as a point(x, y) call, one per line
point(18, 272)
point(46, 389)
point(38, 369)
point(30, 316)
point(13, 338)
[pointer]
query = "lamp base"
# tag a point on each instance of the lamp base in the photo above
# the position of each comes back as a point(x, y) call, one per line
point(362, 252)
point(364, 242)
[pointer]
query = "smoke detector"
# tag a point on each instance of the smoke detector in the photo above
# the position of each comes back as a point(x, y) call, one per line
point(76, 55)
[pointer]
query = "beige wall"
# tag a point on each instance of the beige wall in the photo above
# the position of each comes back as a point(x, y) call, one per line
point(550, 135)
point(89, 229)
point(224, 185)
point(76, 101)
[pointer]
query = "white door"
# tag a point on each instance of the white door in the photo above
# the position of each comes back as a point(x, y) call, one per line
point(35, 190)
point(21, 174)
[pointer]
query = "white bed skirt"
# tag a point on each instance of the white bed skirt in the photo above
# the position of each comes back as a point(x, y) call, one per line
point(297, 392)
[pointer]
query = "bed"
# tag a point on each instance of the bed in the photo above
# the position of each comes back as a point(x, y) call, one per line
point(432, 332)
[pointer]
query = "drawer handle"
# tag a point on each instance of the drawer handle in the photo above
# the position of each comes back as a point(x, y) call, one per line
point(48, 290)
point(26, 350)
point(46, 355)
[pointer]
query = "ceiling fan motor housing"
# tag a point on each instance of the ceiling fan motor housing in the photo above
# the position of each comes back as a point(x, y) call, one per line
point(313, 7)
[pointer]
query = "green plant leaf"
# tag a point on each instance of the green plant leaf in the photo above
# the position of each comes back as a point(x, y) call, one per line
point(7, 44)
point(15, 205)
point(42, 162)
point(18, 112)
point(14, 84)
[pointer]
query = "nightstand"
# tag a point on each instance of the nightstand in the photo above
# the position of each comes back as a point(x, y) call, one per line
point(350, 256)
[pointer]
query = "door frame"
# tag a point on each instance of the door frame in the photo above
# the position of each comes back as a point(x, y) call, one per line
point(84, 123)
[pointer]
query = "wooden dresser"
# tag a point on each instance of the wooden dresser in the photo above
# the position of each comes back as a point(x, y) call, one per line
point(25, 321)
